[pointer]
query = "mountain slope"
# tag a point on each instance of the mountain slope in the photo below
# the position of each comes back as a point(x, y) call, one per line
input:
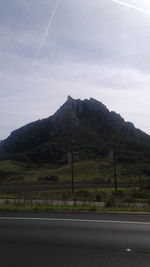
point(88, 122)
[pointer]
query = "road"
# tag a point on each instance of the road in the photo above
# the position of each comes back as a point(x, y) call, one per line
point(74, 239)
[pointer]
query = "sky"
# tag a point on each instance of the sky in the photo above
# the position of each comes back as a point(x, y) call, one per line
point(50, 49)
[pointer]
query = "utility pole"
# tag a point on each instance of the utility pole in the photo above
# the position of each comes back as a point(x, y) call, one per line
point(140, 181)
point(115, 161)
point(72, 165)
point(71, 162)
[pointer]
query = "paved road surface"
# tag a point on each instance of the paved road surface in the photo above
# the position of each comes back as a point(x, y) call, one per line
point(74, 239)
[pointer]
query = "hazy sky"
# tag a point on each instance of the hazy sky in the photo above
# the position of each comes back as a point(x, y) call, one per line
point(84, 48)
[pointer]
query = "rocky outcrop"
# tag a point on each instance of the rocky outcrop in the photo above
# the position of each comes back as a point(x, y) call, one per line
point(89, 120)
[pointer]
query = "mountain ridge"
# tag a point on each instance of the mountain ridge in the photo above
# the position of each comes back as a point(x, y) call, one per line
point(89, 121)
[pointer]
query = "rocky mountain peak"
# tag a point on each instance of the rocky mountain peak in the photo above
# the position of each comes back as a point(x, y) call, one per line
point(78, 104)
point(70, 99)
point(88, 119)
point(95, 105)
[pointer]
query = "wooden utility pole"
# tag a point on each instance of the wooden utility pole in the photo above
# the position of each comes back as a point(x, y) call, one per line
point(72, 165)
point(71, 162)
point(115, 162)
point(140, 181)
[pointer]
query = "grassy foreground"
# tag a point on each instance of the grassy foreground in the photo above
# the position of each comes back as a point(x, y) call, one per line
point(94, 170)
point(94, 182)
point(38, 207)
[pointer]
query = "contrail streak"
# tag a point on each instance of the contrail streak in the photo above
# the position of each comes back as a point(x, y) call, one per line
point(52, 15)
point(131, 6)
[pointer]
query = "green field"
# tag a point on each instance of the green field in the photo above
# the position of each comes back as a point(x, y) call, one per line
point(98, 170)
point(93, 181)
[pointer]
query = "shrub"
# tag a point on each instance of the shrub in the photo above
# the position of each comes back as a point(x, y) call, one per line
point(148, 201)
point(83, 194)
point(110, 201)
point(93, 208)
point(50, 178)
point(7, 201)
point(99, 197)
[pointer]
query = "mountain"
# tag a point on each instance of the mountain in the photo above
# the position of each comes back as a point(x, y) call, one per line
point(87, 125)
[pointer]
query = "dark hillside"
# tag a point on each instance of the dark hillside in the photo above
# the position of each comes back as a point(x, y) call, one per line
point(91, 126)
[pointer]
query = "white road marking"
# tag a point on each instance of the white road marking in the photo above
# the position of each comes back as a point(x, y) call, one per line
point(72, 220)
point(128, 250)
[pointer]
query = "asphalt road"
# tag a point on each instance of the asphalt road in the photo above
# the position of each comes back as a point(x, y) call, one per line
point(74, 239)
